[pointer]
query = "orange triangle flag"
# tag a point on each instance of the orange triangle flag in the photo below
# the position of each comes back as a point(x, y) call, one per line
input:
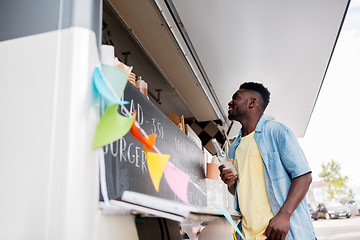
point(148, 142)
point(156, 165)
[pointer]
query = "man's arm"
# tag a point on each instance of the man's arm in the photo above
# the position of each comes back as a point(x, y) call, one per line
point(228, 177)
point(279, 225)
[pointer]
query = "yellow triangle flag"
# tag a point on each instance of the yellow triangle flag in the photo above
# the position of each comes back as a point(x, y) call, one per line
point(156, 165)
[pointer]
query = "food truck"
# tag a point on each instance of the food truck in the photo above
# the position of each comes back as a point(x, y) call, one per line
point(188, 58)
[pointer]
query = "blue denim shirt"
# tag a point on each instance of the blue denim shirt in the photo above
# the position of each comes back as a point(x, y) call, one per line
point(283, 160)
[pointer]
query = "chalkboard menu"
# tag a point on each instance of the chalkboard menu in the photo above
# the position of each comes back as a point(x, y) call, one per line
point(125, 159)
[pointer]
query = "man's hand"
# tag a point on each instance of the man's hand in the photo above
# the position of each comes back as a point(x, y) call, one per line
point(228, 177)
point(278, 227)
point(280, 224)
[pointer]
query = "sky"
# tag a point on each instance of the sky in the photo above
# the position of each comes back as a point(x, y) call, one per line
point(333, 131)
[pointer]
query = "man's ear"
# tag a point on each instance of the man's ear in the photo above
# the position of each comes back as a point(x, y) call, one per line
point(252, 102)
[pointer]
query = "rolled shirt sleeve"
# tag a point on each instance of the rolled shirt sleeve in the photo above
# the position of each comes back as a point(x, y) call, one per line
point(291, 155)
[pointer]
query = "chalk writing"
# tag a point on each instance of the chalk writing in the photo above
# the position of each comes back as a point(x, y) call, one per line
point(131, 153)
point(157, 128)
point(139, 111)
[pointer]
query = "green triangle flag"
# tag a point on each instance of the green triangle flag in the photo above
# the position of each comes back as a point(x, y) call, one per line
point(112, 126)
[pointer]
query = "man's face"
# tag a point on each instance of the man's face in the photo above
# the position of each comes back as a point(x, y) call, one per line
point(238, 106)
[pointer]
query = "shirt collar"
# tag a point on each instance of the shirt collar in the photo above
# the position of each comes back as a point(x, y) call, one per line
point(259, 125)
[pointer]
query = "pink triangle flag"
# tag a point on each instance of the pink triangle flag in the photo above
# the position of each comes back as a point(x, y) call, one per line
point(178, 182)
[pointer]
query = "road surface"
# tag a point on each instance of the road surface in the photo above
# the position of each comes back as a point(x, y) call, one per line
point(338, 229)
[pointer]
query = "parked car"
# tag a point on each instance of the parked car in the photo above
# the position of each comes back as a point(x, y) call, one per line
point(354, 207)
point(313, 213)
point(329, 210)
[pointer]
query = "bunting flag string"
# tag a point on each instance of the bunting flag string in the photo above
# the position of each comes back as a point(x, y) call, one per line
point(112, 126)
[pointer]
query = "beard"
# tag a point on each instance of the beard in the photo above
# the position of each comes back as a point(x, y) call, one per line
point(231, 115)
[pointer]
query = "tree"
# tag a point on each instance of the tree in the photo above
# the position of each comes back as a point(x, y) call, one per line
point(336, 184)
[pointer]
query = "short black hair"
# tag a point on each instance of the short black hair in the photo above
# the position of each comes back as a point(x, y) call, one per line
point(259, 88)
